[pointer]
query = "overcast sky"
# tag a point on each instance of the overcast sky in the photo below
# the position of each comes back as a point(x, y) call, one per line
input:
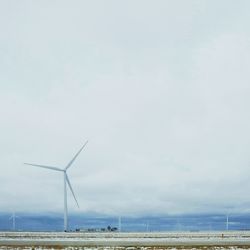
point(159, 88)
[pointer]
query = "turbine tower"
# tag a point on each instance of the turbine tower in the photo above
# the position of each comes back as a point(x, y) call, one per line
point(65, 181)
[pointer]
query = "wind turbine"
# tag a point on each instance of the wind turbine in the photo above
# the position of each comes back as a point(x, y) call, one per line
point(119, 223)
point(65, 181)
point(227, 221)
point(13, 218)
point(147, 226)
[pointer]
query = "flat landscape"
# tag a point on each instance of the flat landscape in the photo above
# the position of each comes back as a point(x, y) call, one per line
point(163, 240)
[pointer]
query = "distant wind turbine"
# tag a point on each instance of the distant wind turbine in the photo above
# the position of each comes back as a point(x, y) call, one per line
point(13, 218)
point(66, 181)
point(227, 221)
point(119, 223)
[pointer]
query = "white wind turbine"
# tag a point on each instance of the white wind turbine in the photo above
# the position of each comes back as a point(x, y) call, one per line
point(227, 222)
point(13, 218)
point(66, 181)
point(119, 223)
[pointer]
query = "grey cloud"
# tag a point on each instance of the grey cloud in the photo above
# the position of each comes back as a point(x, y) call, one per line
point(159, 88)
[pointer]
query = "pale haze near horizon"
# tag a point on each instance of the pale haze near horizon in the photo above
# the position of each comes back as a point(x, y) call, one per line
point(159, 88)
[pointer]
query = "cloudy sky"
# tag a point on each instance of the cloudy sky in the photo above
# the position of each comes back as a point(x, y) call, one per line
point(159, 88)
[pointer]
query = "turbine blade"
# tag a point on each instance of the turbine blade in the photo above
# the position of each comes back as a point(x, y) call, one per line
point(70, 163)
point(67, 179)
point(43, 166)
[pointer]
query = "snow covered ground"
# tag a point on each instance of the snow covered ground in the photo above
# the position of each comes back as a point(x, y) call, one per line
point(125, 241)
point(124, 248)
